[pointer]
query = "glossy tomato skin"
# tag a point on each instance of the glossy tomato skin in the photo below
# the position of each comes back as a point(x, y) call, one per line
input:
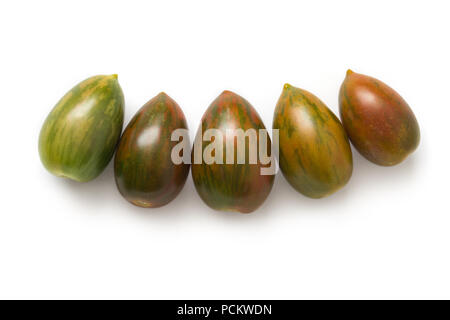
point(79, 136)
point(314, 152)
point(144, 171)
point(379, 122)
point(231, 187)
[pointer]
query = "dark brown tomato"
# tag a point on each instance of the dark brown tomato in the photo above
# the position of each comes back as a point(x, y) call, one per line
point(144, 171)
point(380, 124)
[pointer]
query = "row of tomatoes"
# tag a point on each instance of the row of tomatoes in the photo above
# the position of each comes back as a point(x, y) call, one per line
point(82, 132)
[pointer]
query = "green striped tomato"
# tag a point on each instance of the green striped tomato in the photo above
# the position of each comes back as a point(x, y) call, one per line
point(315, 155)
point(80, 134)
point(144, 171)
point(231, 186)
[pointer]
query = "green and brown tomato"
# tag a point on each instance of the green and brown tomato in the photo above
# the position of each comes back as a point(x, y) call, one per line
point(79, 136)
point(232, 185)
point(144, 170)
point(314, 152)
point(380, 124)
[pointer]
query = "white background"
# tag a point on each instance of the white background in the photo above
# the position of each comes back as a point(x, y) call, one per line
point(385, 235)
